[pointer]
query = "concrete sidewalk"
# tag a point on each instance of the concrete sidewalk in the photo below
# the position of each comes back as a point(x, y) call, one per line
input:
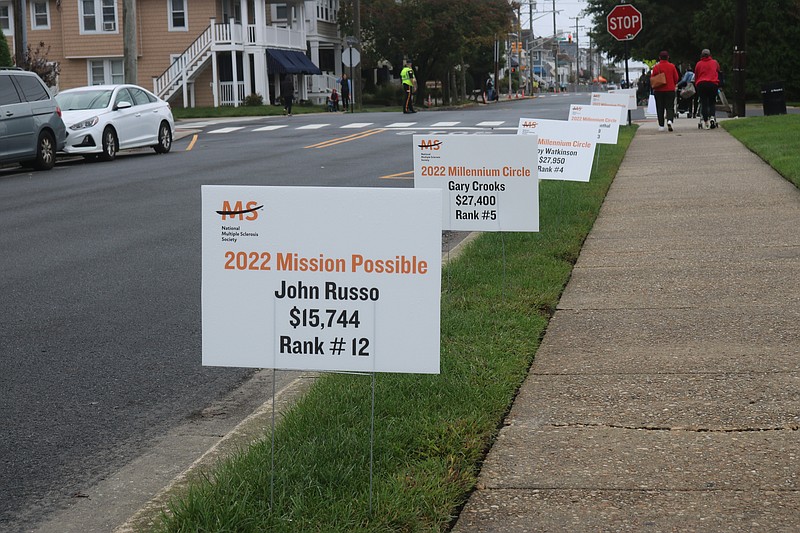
point(666, 393)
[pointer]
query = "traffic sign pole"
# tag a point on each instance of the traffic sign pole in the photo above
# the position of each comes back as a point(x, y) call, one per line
point(624, 22)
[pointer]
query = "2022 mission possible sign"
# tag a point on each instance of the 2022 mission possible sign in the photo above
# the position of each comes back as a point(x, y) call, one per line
point(312, 278)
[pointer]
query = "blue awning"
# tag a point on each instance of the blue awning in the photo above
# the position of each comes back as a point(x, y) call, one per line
point(290, 62)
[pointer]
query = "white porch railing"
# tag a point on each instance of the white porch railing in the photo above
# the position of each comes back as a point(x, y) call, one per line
point(226, 92)
point(184, 65)
point(221, 37)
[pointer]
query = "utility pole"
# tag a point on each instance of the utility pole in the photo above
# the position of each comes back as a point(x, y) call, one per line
point(20, 41)
point(356, 93)
point(555, 48)
point(130, 51)
point(577, 51)
point(739, 58)
point(531, 6)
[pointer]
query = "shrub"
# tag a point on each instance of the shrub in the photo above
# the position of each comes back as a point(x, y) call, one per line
point(5, 52)
point(253, 100)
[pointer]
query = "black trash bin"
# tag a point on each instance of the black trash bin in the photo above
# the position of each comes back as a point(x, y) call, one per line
point(773, 98)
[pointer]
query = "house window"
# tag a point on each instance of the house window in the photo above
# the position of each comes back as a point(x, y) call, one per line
point(177, 15)
point(40, 15)
point(6, 19)
point(106, 71)
point(98, 16)
point(281, 12)
point(326, 10)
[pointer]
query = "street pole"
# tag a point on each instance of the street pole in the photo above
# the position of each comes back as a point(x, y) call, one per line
point(355, 92)
point(130, 50)
point(739, 58)
point(519, 46)
point(555, 48)
point(627, 77)
point(531, 5)
point(20, 40)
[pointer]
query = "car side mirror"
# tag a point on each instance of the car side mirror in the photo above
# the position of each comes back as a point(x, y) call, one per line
point(123, 105)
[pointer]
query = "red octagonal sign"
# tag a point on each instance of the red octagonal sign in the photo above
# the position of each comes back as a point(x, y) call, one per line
point(624, 22)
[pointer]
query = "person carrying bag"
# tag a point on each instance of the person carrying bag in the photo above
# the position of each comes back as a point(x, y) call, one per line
point(663, 80)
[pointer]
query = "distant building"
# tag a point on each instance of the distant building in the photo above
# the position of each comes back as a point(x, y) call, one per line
point(191, 53)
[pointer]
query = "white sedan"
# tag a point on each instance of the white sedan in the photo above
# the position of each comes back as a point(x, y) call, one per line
point(101, 120)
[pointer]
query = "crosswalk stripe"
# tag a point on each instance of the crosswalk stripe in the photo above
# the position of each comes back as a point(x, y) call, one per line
point(271, 128)
point(491, 123)
point(401, 125)
point(357, 125)
point(443, 124)
point(227, 130)
point(312, 126)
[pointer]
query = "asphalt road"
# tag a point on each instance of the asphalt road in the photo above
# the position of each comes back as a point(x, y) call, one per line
point(100, 324)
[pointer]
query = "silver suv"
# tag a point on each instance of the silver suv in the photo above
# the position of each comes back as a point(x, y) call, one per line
point(31, 129)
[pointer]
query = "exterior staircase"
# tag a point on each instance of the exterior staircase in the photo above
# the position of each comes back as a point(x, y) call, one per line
point(186, 67)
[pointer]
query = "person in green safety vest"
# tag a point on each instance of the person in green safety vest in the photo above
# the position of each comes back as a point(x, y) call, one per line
point(409, 85)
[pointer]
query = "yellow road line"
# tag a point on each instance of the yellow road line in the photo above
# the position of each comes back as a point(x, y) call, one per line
point(194, 140)
point(409, 175)
point(348, 138)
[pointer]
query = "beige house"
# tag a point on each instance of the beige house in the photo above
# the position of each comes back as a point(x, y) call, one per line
point(191, 53)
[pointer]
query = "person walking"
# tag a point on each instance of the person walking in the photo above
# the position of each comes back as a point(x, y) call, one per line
point(345, 92)
point(287, 93)
point(409, 84)
point(687, 82)
point(664, 93)
point(706, 79)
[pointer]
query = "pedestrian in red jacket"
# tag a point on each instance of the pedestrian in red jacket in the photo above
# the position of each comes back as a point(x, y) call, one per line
point(706, 79)
point(665, 94)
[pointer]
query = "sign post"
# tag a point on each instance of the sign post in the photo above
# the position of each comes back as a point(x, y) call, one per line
point(624, 22)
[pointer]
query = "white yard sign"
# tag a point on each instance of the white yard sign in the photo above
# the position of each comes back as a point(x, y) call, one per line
point(632, 105)
point(566, 149)
point(488, 182)
point(321, 278)
point(606, 118)
point(615, 100)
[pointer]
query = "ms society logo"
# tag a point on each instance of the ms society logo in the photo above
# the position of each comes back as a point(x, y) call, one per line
point(240, 210)
point(430, 144)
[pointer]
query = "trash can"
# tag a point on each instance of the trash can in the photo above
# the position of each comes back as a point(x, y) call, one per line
point(773, 98)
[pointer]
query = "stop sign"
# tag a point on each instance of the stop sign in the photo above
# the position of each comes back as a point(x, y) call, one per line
point(624, 22)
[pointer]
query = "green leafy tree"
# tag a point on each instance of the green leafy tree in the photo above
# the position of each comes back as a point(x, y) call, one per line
point(685, 27)
point(5, 52)
point(439, 36)
point(665, 26)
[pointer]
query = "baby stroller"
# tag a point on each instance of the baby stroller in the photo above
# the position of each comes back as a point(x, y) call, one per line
point(686, 101)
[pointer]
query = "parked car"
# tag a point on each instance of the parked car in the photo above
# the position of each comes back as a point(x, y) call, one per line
point(31, 129)
point(104, 119)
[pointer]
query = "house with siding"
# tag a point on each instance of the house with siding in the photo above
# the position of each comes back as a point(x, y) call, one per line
point(191, 53)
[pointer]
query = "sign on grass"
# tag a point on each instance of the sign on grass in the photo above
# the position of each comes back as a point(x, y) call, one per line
point(614, 100)
point(321, 278)
point(488, 182)
point(565, 149)
point(605, 118)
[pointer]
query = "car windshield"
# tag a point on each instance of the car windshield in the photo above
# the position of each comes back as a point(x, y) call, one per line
point(70, 101)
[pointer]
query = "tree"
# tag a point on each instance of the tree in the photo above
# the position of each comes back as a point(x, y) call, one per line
point(685, 27)
point(439, 36)
point(36, 61)
point(5, 52)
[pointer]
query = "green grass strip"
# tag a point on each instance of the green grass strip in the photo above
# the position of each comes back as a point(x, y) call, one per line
point(431, 432)
point(775, 139)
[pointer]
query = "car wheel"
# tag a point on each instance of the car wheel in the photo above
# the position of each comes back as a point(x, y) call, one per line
point(110, 145)
point(164, 139)
point(45, 152)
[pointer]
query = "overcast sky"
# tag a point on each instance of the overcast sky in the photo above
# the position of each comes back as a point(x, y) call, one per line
point(566, 10)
